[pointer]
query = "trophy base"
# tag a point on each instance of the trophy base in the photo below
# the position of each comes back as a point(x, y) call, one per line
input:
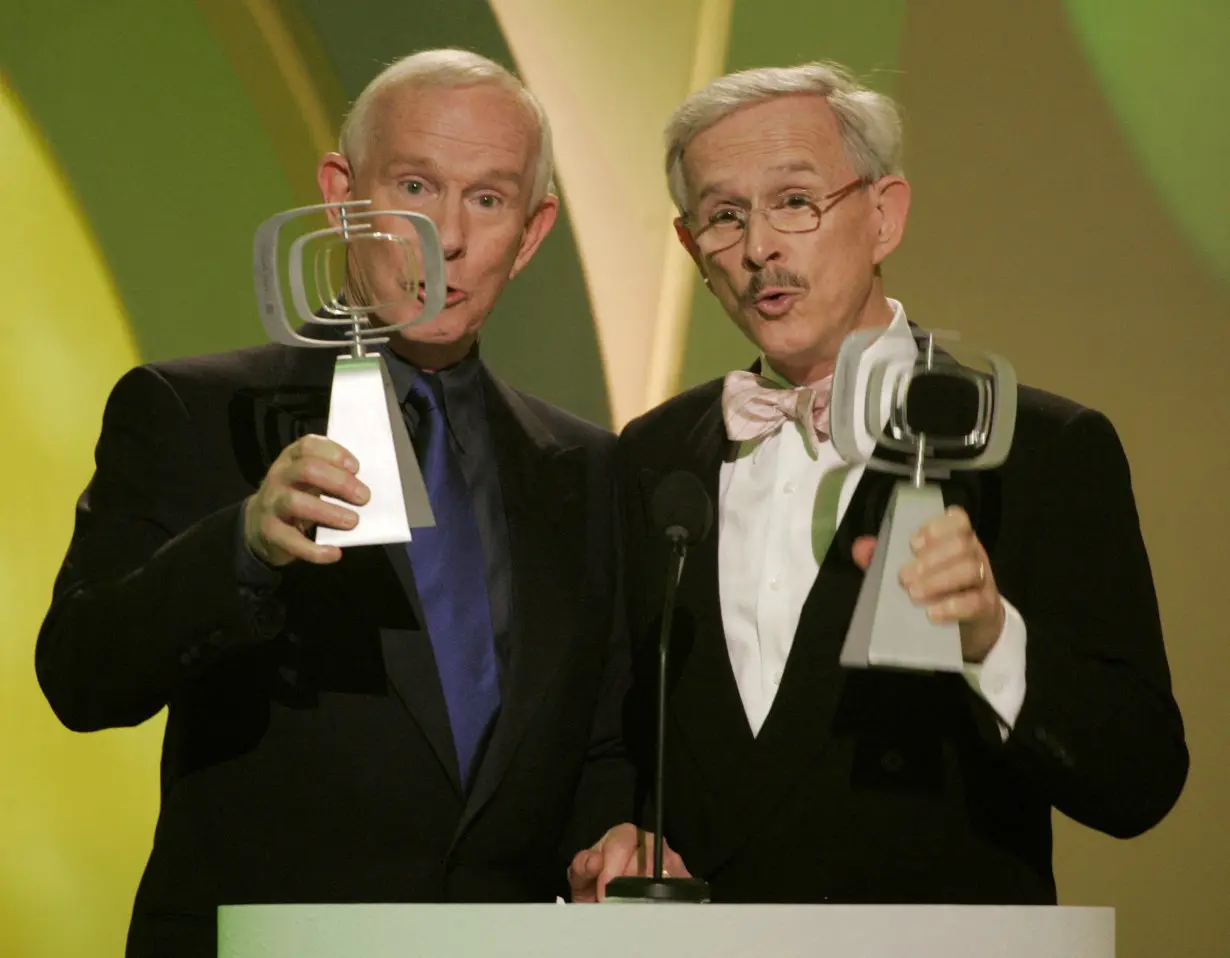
point(888, 629)
point(366, 420)
point(632, 889)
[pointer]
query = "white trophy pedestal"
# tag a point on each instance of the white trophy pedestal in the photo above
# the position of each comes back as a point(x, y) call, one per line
point(888, 629)
point(710, 931)
point(365, 419)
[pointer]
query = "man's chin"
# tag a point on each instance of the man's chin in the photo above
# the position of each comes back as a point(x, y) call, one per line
point(443, 331)
point(780, 336)
point(440, 328)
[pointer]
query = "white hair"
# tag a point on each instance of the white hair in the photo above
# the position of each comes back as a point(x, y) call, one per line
point(448, 68)
point(870, 122)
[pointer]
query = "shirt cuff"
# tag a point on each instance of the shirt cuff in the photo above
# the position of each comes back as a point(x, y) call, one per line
point(1000, 678)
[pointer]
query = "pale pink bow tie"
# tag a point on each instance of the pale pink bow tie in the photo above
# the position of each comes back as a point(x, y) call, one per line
point(754, 407)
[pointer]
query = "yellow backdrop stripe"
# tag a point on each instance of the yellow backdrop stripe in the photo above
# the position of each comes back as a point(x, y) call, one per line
point(75, 811)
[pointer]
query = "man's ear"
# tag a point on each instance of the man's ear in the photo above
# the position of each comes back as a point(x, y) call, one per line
point(334, 176)
point(684, 235)
point(892, 210)
point(535, 232)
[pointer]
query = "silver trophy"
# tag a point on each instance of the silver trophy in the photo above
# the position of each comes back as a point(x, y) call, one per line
point(364, 415)
point(935, 414)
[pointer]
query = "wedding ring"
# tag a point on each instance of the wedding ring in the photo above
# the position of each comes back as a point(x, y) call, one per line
point(982, 573)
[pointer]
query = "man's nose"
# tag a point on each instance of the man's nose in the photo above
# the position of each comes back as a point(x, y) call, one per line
point(761, 242)
point(450, 224)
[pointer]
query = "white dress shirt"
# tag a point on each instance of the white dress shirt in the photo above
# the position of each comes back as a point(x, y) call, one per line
point(767, 564)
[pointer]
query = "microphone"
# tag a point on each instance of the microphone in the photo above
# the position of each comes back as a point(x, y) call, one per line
point(680, 508)
point(682, 513)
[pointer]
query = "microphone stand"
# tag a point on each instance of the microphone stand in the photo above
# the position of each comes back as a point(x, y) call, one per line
point(660, 888)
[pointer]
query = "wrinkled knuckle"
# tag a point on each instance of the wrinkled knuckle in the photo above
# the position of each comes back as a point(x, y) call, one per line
point(266, 528)
point(288, 503)
point(312, 471)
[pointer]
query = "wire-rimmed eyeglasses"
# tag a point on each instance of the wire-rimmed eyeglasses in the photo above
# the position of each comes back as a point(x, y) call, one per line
point(793, 213)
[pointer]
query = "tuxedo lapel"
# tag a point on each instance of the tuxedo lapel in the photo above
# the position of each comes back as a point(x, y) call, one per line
point(408, 657)
point(264, 421)
point(540, 481)
point(704, 704)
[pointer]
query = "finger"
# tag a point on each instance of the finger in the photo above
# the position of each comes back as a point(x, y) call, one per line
point(321, 476)
point(296, 506)
point(673, 863)
point(293, 543)
point(583, 875)
point(962, 607)
point(590, 861)
point(961, 574)
point(863, 551)
point(617, 861)
point(941, 551)
point(954, 521)
point(321, 447)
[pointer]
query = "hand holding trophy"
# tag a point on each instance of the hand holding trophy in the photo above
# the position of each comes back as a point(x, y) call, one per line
point(364, 415)
point(936, 414)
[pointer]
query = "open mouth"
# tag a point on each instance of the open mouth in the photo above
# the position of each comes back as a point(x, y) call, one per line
point(452, 295)
point(775, 302)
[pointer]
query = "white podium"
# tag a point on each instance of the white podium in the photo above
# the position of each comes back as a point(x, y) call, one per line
point(680, 931)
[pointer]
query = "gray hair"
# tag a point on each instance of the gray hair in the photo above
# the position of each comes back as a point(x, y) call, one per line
point(870, 122)
point(448, 68)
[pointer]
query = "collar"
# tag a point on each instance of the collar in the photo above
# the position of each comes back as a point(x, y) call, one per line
point(460, 383)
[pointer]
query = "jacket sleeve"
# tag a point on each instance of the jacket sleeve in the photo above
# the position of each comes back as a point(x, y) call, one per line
point(149, 594)
point(1099, 732)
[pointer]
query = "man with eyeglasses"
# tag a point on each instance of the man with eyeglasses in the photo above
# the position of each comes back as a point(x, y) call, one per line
point(788, 779)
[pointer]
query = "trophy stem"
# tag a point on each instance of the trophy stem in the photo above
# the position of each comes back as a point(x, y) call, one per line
point(357, 350)
point(920, 455)
point(356, 326)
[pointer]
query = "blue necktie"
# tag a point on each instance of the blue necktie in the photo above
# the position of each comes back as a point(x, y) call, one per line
point(450, 574)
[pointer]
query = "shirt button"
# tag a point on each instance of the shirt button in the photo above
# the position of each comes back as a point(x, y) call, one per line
point(777, 676)
point(788, 488)
point(774, 584)
point(995, 684)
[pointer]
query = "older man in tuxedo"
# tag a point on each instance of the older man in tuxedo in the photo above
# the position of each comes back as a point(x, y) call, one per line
point(789, 778)
point(432, 722)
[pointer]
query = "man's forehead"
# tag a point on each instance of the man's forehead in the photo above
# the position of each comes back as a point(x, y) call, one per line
point(789, 134)
point(739, 171)
point(418, 121)
point(473, 165)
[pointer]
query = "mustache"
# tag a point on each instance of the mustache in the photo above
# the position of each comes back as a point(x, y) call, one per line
point(777, 277)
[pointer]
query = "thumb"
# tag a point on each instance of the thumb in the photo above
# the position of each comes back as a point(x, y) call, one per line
point(673, 863)
point(863, 550)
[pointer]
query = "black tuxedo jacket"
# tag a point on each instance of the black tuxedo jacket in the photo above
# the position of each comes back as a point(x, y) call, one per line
point(875, 786)
point(307, 755)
